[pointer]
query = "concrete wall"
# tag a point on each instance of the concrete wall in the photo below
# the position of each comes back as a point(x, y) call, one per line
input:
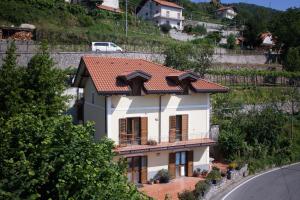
point(196, 106)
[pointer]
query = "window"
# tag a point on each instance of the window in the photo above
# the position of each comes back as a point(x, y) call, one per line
point(133, 130)
point(146, 14)
point(102, 44)
point(168, 22)
point(181, 163)
point(168, 13)
point(113, 45)
point(178, 127)
point(178, 15)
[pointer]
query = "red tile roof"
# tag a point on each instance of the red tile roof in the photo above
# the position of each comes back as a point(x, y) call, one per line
point(167, 3)
point(104, 72)
point(107, 8)
point(225, 8)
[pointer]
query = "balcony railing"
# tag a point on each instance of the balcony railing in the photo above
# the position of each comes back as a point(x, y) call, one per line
point(152, 145)
point(167, 16)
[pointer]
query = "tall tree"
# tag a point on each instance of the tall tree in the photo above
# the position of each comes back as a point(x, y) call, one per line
point(10, 83)
point(44, 85)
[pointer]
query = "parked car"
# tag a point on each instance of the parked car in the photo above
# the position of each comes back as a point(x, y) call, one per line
point(105, 46)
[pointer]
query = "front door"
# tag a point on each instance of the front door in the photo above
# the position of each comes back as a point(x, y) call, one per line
point(181, 164)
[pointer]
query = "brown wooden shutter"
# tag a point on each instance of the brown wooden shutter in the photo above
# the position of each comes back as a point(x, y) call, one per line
point(172, 166)
point(172, 128)
point(190, 160)
point(122, 131)
point(185, 127)
point(144, 130)
point(144, 170)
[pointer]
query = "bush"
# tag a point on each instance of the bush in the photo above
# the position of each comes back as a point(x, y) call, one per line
point(85, 20)
point(215, 168)
point(214, 175)
point(200, 189)
point(188, 28)
point(231, 41)
point(186, 195)
point(165, 28)
point(163, 176)
point(199, 30)
point(232, 165)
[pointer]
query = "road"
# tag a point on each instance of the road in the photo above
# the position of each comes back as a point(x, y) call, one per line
point(281, 184)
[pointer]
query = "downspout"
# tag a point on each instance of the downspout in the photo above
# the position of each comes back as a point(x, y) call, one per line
point(105, 117)
point(159, 120)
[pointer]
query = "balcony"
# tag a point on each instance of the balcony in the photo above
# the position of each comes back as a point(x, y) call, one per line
point(134, 149)
point(160, 15)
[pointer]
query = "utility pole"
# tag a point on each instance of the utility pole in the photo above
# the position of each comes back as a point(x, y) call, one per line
point(126, 21)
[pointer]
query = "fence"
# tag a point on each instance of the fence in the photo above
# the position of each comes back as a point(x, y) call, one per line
point(253, 80)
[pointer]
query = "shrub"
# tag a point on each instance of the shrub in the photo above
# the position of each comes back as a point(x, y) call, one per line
point(85, 20)
point(215, 168)
point(204, 172)
point(231, 41)
point(214, 175)
point(199, 30)
point(188, 28)
point(165, 28)
point(163, 176)
point(200, 189)
point(232, 165)
point(186, 195)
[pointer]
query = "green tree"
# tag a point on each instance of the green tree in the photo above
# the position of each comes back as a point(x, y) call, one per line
point(231, 142)
point(231, 41)
point(292, 60)
point(53, 159)
point(44, 85)
point(189, 57)
point(10, 83)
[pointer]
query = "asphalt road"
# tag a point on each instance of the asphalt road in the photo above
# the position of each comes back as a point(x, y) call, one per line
point(281, 184)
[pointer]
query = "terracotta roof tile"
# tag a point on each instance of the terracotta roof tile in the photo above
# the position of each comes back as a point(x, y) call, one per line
point(107, 8)
point(105, 70)
point(167, 3)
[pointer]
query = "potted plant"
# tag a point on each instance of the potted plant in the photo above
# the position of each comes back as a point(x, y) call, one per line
point(162, 176)
point(151, 181)
point(197, 172)
point(204, 173)
point(151, 142)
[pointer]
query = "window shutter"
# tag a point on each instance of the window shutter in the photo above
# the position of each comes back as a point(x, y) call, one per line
point(172, 167)
point(122, 131)
point(190, 160)
point(144, 171)
point(185, 127)
point(144, 130)
point(172, 128)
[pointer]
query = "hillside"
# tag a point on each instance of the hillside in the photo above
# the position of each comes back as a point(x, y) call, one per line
point(59, 22)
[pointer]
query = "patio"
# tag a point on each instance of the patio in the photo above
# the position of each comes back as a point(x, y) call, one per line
point(158, 191)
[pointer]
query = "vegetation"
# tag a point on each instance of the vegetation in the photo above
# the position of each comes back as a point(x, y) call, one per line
point(292, 61)
point(189, 57)
point(43, 155)
point(165, 28)
point(197, 30)
point(231, 41)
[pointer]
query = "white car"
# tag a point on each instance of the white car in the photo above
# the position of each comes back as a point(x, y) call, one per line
point(105, 46)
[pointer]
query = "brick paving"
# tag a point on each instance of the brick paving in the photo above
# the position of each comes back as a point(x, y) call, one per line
point(159, 191)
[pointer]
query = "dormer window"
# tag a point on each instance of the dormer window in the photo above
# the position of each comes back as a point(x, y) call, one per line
point(135, 80)
point(183, 79)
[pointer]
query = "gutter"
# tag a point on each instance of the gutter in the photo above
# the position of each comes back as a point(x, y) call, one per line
point(159, 120)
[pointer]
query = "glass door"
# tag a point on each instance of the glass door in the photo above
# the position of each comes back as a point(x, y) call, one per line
point(181, 164)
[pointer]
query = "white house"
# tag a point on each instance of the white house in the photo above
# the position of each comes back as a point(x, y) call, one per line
point(266, 39)
point(226, 12)
point(110, 5)
point(157, 116)
point(161, 12)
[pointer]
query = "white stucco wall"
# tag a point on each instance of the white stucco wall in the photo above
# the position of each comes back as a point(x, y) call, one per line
point(111, 3)
point(195, 105)
point(94, 112)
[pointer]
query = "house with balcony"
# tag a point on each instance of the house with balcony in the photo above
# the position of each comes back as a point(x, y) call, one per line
point(161, 12)
point(158, 117)
point(226, 13)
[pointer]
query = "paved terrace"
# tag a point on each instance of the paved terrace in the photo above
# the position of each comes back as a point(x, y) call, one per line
point(158, 191)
